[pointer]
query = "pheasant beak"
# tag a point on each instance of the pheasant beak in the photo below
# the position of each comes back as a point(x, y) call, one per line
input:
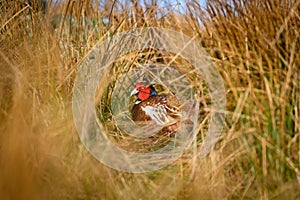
point(135, 91)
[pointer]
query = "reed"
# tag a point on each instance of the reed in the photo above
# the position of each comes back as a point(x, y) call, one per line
point(254, 44)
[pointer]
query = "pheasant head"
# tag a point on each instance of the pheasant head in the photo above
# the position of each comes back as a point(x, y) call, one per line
point(144, 90)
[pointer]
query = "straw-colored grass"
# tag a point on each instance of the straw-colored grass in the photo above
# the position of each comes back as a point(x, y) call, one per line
point(254, 44)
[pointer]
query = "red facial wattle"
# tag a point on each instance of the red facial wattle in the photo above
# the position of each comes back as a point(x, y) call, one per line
point(144, 93)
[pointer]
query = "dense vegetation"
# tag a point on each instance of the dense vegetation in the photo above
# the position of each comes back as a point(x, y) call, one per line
point(255, 45)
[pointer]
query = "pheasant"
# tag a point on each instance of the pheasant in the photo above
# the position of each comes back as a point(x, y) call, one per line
point(163, 109)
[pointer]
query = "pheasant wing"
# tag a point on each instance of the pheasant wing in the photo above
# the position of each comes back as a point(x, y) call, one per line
point(157, 113)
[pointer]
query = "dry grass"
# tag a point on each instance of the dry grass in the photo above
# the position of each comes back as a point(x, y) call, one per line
point(256, 49)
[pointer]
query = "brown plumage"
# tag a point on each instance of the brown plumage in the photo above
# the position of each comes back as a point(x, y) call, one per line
point(163, 109)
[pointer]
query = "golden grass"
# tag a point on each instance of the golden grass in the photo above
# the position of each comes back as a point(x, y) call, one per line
point(256, 49)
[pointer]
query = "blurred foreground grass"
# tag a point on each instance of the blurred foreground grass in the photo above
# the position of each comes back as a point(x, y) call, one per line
point(254, 44)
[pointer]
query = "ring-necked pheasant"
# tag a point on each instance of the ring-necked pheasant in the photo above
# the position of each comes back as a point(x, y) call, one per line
point(163, 109)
